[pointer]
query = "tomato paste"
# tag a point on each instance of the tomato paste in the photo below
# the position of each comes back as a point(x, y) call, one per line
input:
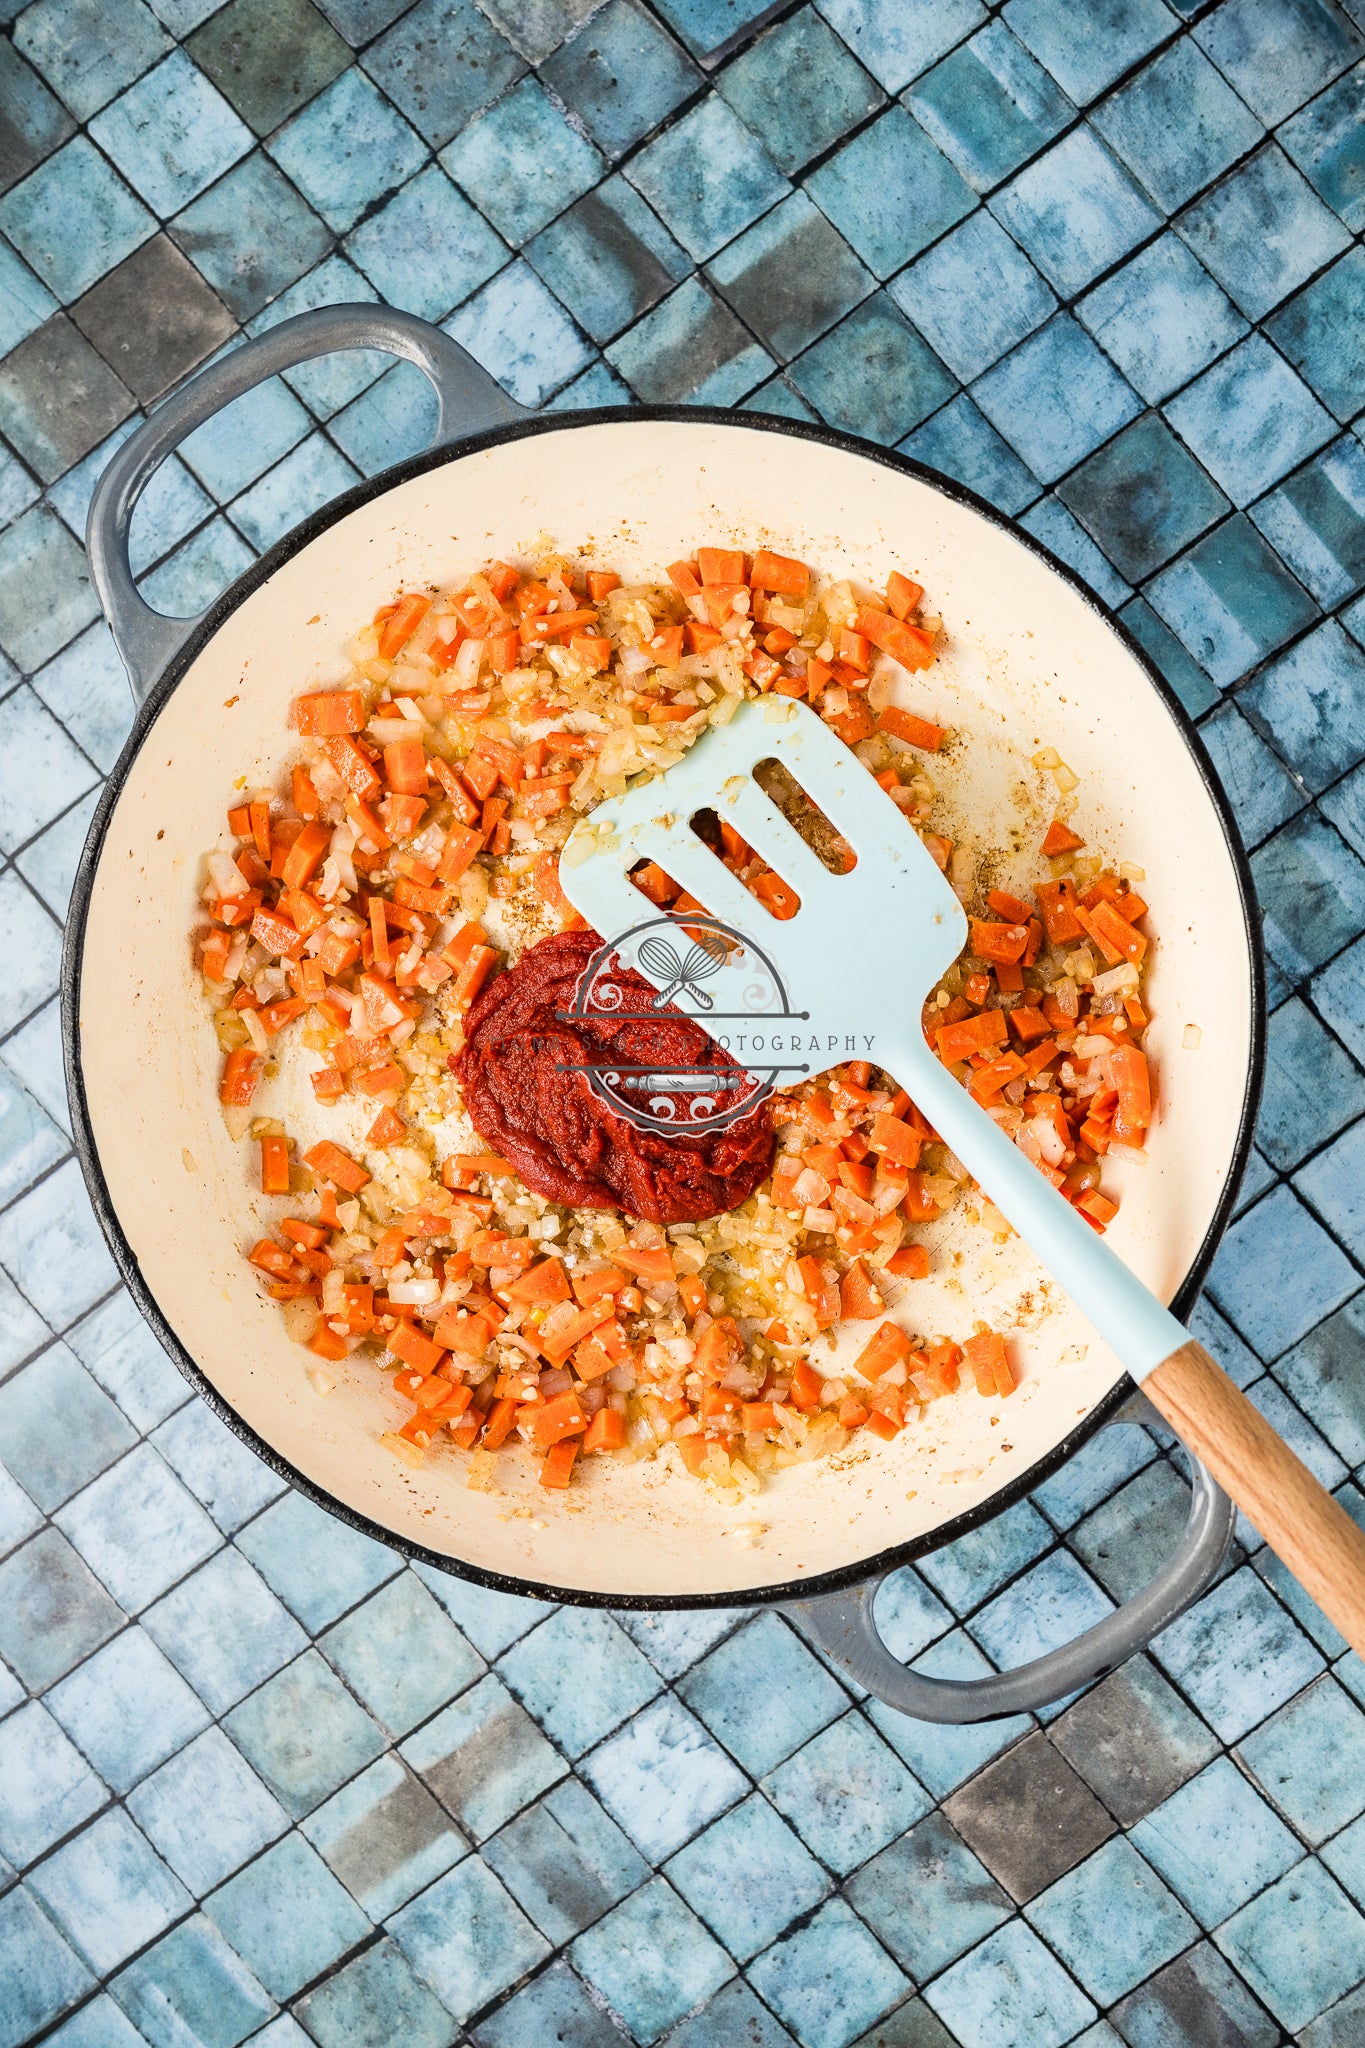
point(528, 1096)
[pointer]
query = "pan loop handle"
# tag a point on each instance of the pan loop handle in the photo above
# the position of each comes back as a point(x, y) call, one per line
point(469, 400)
point(843, 1625)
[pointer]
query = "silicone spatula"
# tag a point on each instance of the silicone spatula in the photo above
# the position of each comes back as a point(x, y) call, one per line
point(847, 977)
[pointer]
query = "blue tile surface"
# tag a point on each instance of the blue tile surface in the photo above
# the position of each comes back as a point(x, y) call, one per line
point(990, 240)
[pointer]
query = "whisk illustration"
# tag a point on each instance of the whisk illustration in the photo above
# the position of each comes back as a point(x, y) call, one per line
point(681, 974)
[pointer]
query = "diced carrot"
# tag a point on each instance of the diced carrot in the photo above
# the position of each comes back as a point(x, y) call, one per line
point(993, 1075)
point(329, 712)
point(259, 814)
point(806, 1386)
point(985, 1354)
point(882, 1426)
point(402, 623)
point(414, 1349)
point(1060, 838)
point(902, 595)
point(820, 1292)
point(1098, 1207)
point(654, 883)
point(546, 1282)
point(683, 577)
point(601, 582)
point(276, 933)
point(911, 646)
point(854, 649)
point(572, 1332)
point(592, 649)
point(354, 766)
point(239, 821)
point(553, 1420)
point(1057, 902)
point(718, 1347)
point(649, 1263)
point(775, 895)
point(333, 1164)
point(916, 732)
point(1116, 937)
point(971, 1034)
point(720, 565)
point(241, 1071)
point(606, 1431)
point(886, 1347)
point(781, 573)
point(559, 1463)
point(501, 1416)
point(895, 1139)
point(305, 855)
point(1128, 1064)
point(405, 767)
point(854, 725)
point(993, 941)
point(274, 1166)
point(851, 1413)
point(859, 1294)
point(325, 1342)
point(699, 638)
point(911, 1262)
point(329, 1084)
point(667, 648)
point(387, 1129)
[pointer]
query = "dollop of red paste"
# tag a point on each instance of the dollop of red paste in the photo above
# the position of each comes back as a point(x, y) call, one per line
point(564, 1140)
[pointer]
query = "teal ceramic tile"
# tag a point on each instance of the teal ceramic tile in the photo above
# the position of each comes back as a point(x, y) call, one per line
point(799, 90)
point(1300, 1945)
point(401, 1655)
point(304, 1733)
point(762, 1693)
point(1263, 232)
point(46, 1788)
point(438, 98)
point(287, 1916)
point(1326, 141)
point(109, 1891)
point(1177, 125)
point(1122, 33)
point(707, 178)
point(44, 1976)
point(483, 1757)
point(1318, 332)
point(565, 1861)
point(780, 1879)
point(86, 52)
point(127, 1708)
point(890, 192)
point(829, 1978)
point(1216, 1843)
point(1278, 55)
point(378, 1990)
point(663, 1778)
point(384, 1837)
point(981, 1994)
point(192, 1984)
point(206, 1812)
point(467, 1938)
point(580, 1676)
point(896, 45)
point(522, 162)
point(846, 1794)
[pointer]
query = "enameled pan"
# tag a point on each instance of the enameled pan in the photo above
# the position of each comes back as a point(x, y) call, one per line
point(1031, 660)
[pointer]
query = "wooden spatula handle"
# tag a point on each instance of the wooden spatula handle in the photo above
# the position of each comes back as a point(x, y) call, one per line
point(1298, 1518)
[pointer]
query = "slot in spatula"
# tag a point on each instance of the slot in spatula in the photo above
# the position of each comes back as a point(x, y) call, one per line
point(847, 978)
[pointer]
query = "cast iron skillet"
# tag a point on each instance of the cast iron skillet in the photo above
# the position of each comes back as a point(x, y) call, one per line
point(835, 1609)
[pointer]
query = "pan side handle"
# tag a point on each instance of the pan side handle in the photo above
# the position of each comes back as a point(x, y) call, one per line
point(843, 1625)
point(469, 400)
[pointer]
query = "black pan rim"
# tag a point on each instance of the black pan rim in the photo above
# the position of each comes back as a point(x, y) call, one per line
point(819, 1584)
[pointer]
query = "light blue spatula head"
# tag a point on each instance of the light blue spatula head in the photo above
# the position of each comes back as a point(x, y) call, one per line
point(845, 977)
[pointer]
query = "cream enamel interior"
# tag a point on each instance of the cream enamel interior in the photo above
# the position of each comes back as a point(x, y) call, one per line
point(1026, 664)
